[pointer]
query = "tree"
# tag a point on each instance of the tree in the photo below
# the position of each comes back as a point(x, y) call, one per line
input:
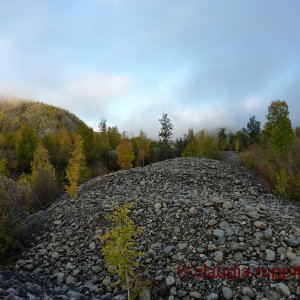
point(65, 146)
point(222, 139)
point(125, 154)
point(43, 178)
point(119, 249)
point(102, 125)
point(278, 135)
point(252, 133)
point(202, 145)
point(253, 130)
point(237, 145)
point(26, 144)
point(240, 136)
point(76, 171)
point(165, 136)
point(231, 141)
point(166, 129)
point(114, 137)
point(142, 148)
point(87, 135)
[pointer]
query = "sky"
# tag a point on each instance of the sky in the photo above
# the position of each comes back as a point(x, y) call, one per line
point(207, 64)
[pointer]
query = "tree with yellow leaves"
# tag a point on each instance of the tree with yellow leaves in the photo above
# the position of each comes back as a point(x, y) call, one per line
point(76, 170)
point(120, 252)
point(142, 148)
point(125, 154)
point(42, 181)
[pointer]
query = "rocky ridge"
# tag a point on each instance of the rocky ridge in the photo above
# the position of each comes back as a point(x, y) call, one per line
point(193, 212)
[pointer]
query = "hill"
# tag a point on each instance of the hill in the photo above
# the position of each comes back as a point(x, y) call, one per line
point(193, 212)
point(44, 118)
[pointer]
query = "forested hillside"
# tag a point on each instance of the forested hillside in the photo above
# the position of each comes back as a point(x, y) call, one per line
point(44, 118)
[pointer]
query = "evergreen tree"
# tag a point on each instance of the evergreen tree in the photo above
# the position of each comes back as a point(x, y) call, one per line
point(253, 130)
point(43, 178)
point(102, 126)
point(165, 136)
point(76, 171)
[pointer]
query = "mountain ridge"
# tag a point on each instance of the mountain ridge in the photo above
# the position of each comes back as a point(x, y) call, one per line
point(44, 118)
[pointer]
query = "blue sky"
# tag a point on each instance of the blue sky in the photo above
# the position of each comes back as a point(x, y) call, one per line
point(206, 63)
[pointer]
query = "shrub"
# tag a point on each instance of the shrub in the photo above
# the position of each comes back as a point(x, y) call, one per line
point(12, 202)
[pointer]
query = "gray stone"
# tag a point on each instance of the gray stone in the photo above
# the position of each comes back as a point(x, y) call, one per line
point(272, 295)
point(246, 291)
point(219, 233)
point(224, 225)
point(212, 296)
point(212, 222)
point(238, 256)
point(92, 246)
point(55, 255)
point(195, 295)
point(270, 255)
point(168, 249)
point(76, 295)
point(192, 210)
point(293, 242)
point(170, 280)
point(229, 232)
point(227, 293)
point(268, 233)
point(282, 289)
point(182, 246)
point(70, 280)
point(106, 281)
point(227, 205)
point(291, 256)
point(218, 256)
point(260, 225)
point(157, 205)
point(253, 215)
point(296, 262)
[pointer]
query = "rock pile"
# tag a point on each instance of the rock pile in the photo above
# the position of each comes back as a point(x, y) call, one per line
point(209, 232)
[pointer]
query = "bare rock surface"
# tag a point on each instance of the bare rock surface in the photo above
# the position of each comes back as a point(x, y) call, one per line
point(193, 212)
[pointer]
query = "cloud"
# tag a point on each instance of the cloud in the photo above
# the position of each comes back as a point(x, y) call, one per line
point(206, 64)
point(89, 94)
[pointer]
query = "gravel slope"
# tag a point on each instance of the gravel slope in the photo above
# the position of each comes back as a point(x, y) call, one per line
point(192, 212)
